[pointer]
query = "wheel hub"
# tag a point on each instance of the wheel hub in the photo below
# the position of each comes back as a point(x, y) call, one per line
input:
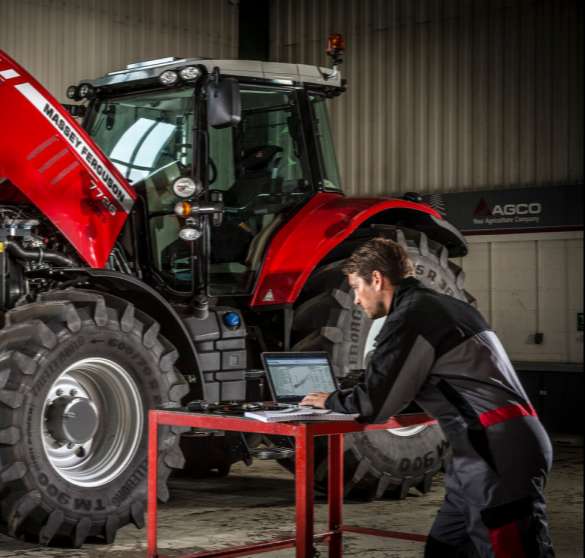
point(72, 420)
point(92, 422)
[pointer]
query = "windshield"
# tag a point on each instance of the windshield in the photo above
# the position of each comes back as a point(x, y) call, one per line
point(142, 134)
point(260, 166)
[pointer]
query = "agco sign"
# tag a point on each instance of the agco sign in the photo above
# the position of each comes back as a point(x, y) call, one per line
point(507, 213)
point(558, 207)
point(510, 209)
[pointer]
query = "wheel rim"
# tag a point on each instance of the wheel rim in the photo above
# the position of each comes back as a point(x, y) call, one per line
point(109, 400)
point(405, 431)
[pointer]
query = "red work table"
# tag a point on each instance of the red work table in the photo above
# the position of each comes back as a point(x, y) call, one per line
point(303, 434)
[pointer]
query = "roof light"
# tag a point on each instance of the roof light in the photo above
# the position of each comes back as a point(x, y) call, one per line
point(335, 48)
point(190, 73)
point(169, 77)
point(86, 91)
point(72, 93)
point(335, 43)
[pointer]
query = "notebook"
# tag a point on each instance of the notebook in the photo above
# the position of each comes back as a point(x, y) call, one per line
point(297, 414)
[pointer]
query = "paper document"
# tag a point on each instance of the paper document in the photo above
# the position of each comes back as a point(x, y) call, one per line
point(297, 414)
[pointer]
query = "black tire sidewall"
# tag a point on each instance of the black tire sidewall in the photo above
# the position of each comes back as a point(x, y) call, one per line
point(128, 351)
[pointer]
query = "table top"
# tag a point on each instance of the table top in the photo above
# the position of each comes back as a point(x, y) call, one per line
point(238, 423)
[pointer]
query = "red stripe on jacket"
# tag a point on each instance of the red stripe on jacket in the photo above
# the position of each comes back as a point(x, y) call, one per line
point(501, 414)
point(507, 541)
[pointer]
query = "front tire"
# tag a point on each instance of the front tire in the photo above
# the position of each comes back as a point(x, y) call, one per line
point(78, 372)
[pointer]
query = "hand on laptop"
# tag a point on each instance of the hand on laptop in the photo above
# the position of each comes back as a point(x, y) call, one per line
point(315, 399)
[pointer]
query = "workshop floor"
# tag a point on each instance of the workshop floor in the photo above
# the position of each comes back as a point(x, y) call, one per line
point(255, 504)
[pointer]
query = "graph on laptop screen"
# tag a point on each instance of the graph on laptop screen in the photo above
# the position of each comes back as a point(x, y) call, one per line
point(297, 376)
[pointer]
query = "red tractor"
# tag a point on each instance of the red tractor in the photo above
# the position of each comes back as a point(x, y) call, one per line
point(150, 254)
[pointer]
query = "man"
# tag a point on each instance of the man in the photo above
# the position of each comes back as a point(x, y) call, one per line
point(440, 352)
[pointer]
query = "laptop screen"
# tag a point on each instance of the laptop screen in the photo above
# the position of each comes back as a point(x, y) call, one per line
point(294, 375)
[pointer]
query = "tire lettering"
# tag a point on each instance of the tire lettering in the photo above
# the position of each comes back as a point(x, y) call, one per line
point(53, 491)
point(99, 506)
point(82, 504)
point(428, 459)
point(136, 479)
point(405, 464)
point(57, 366)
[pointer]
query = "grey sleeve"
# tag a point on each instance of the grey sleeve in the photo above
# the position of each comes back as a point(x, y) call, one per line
point(398, 369)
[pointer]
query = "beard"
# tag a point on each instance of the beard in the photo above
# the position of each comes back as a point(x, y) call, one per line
point(378, 311)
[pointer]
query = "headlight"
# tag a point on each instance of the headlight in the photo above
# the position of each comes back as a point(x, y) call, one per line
point(190, 73)
point(189, 234)
point(169, 77)
point(186, 188)
point(86, 91)
point(72, 93)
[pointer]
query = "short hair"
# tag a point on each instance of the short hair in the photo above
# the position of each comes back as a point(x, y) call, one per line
point(383, 255)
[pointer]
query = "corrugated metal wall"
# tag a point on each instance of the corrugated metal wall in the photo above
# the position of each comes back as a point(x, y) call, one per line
point(63, 41)
point(529, 283)
point(448, 95)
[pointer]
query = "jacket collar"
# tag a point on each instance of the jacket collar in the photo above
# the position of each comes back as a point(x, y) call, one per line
point(407, 284)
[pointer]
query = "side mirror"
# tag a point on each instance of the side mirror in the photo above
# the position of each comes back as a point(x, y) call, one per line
point(224, 105)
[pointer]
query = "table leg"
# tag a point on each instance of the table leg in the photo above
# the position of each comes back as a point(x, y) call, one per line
point(151, 525)
point(304, 466)
point(335, 494)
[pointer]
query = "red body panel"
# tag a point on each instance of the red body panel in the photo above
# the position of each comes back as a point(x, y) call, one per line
point(313, 232)
point(50, 158)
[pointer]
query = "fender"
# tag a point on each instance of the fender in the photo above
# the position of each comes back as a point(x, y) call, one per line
point(322, 224)
point(146, 299)
point(57, 166)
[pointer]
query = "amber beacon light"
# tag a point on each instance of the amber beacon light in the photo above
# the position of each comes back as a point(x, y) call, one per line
point(335, 48)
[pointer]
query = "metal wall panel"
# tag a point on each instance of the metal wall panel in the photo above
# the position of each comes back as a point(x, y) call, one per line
point(63, 41)
point(529, 283)
point(448, 95)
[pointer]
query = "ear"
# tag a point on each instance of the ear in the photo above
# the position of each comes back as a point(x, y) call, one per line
point(377, 280)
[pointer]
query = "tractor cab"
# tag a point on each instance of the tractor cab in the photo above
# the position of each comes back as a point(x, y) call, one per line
point(249, 140)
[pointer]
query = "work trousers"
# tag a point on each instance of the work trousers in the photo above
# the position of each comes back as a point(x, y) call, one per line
point(466, 528)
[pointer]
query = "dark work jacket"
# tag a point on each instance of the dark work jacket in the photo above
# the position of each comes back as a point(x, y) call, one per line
point(440, 352)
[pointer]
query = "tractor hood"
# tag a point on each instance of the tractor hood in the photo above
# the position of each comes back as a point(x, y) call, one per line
point(55, 164)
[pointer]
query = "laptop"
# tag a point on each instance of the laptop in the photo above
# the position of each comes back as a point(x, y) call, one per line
point(291, 376)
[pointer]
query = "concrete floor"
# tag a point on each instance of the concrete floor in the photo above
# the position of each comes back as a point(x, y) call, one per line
point(255, 504)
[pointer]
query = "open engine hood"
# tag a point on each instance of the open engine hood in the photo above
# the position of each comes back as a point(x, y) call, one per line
point(49, 157)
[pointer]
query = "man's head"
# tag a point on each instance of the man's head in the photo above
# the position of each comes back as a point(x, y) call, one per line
point(373, 272)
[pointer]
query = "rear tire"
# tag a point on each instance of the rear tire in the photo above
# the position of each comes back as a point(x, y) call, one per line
point(387, 462)
point(82, 366)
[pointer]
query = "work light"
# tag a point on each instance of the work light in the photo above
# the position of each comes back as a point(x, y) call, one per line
point(169, 77)
point(189, 234)
point(190, 73)
point(72, 93)
point(86, 91)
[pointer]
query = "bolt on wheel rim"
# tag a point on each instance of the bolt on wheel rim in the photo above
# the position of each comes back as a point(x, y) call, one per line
point(112, 392)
